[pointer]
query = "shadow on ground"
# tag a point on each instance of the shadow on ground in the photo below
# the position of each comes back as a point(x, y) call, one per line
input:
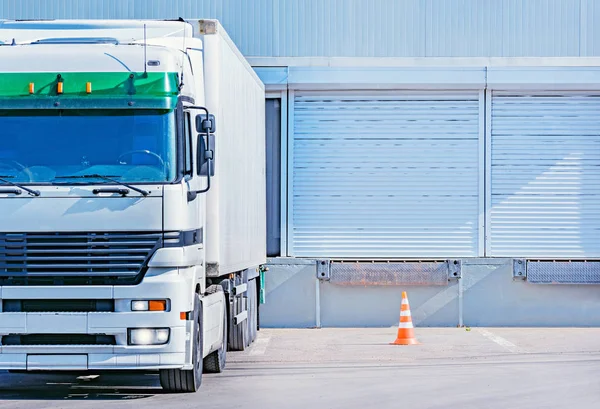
point(14, 386)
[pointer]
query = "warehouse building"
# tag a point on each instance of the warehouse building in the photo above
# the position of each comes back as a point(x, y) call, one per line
point(449, 147)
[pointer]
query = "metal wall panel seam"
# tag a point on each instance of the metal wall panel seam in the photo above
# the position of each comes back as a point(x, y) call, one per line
point(290, 171)
point(274, 50)
point(582, 27)
point(488, 170)
point(593, 31)
point(427, 25)
point(284, 173)
point(481, 173)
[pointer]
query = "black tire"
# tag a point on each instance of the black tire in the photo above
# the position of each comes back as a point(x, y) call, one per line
point(216, 360)
point(252, 311)
point(238, 340)
point(187, 381)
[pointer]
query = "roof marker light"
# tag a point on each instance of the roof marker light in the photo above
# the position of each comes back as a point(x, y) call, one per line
point(59, 84)
point(88, 87)
point(31, 87)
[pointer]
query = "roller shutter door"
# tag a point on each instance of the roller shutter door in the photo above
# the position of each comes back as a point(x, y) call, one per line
point(384, 175)
point(545, 175)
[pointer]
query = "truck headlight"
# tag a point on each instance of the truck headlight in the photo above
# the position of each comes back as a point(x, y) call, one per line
point(148, 336)
point(149, 305)
point(139, 305)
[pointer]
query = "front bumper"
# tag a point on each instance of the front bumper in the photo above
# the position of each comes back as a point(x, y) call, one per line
point(173, 284)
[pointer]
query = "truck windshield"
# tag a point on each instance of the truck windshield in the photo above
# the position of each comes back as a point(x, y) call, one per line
point(40, 146)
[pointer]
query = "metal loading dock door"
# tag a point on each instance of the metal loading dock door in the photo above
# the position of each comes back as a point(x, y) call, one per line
point(545, 175)
point(385, 174)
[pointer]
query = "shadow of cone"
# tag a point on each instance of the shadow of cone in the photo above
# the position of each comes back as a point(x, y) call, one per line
point(406, 331)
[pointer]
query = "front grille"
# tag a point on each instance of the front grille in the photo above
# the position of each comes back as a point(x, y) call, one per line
point(76, 258)
point(58, 305)
point(58, 339)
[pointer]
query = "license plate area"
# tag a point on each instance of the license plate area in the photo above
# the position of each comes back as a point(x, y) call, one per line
point(66, 362)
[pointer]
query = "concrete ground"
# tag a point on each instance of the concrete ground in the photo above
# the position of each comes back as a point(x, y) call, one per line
point(356, 368)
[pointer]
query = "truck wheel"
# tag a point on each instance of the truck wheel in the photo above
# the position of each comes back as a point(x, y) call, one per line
point(239, 333)
point(187, 381)
point(252, 311)
point(215, 362)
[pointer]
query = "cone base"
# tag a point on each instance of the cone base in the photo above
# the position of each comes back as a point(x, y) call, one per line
point(405, 341)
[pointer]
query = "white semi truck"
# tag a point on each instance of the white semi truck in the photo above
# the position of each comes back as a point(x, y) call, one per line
point(132, 197)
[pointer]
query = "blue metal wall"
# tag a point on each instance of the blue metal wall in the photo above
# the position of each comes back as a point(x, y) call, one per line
point(365, 28)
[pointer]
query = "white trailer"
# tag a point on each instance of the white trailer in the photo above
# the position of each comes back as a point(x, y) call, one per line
point(132, 197)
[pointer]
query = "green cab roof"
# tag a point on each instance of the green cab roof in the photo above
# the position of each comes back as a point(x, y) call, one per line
point(38, 89)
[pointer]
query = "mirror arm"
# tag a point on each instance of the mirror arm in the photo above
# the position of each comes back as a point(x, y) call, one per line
point(207, 188)
point(196, 107)
point(192, 194)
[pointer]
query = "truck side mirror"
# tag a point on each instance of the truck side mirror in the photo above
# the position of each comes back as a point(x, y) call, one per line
point(206, 155)
point(204, 124)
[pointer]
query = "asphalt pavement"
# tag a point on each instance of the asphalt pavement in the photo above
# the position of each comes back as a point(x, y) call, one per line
point(357, 368)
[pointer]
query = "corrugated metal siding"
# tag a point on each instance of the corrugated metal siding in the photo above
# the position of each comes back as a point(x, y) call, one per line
point(464, 28)
point(503, 28)
point(365, 28)
point(540, 28)
point(349, 28)
point(545, 170)
point(590, 29)
point(385, 175)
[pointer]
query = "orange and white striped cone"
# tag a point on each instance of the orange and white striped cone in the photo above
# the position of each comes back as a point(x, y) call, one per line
point(406, 331)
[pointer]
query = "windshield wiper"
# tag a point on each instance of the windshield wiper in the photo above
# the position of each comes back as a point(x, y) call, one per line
point(32, 192)
point(107, 178)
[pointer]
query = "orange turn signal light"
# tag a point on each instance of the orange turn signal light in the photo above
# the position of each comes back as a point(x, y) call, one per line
point(59, 88)
point(157, 305)
point(183, 315)
point(31, 87)
point(88, 87)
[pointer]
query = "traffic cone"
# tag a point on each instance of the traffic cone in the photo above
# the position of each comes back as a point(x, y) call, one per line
point(406, 331)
